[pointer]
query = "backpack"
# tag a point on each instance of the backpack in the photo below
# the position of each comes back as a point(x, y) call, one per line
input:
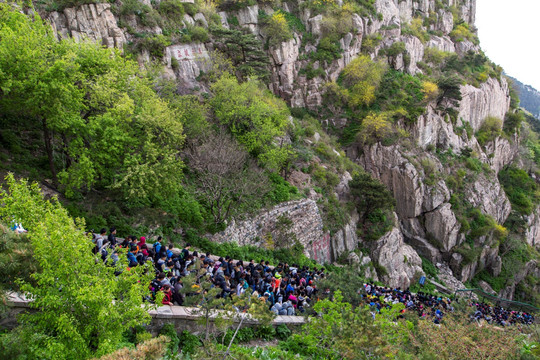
point(155, 286)
point(156, 248)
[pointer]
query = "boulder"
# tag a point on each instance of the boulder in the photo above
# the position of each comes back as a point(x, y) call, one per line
point(399, 259)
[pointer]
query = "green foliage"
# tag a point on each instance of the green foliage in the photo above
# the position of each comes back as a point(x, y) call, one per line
point(92, 106)
point(327, 50)
point(276, 27)
point(188, 342)
point(250, 112)
point(292, 255)
point(94, 307)
point(416, 28)
point(16, 261)
point(362, 78)
point(233, 5)
point(474, 67)
point(147, 15)
point(347, 281)
point(199, 34)
point(370, 42)
point(154, 44)
point(490, 129)
point(340, 331)
point(244, 50)
point(60, 5)
point(449, 89)
point(522, 191)
point(435, 56)
point(429, 269)
point(370, 194)
point(374, 202)
point(283, 332)
point(483, 224)
point(395, 49)
point(401, 95)
point(512, 122)
point(281, 190)
point(462, 32)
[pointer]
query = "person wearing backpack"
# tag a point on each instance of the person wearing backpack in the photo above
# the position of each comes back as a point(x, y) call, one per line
point(132, 259)
point(170, 253)
point(185, 251)
point(99, 240)
point(112, 238)
point(157, 248)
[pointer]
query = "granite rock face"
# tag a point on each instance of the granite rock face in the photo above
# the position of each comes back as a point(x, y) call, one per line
point(264, 230)
point(399, 259)
point(491, 99)
point(91, 21)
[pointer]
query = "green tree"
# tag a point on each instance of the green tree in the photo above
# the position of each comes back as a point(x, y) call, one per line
point(83, 306)
point(449, 87)
point(362, 77)
point(244, 50)
point(490, 129)
point(102, 123)
point(16, 262)
point(276, 28)
point(339, 332)
point(251, 113)
point(374, 128)
point(370, 195)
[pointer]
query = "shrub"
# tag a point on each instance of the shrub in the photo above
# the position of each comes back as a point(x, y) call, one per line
point(327, 50)
point(401, 95)
point(462, 32)
point(512, 122)
point(171, 9)
point(155, 45)
point(430, 90)
point(362, 77)
point(187, 342)
point(395, 49)
point(375, 128)
point(416, 28)
point(490, 129)
point(276, 28)
point(200, 34)
point(370, 42)
point(522, 191)
point(435, 56)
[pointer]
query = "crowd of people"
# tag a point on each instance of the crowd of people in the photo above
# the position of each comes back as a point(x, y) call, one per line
point(435, 307)
point(287, 289)
point(425, 305)
point(501, 316)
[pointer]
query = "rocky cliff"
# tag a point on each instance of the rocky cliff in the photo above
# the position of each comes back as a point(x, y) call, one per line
point(442, 173)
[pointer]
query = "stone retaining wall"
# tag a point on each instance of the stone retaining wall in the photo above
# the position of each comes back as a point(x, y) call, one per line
point(183, 318)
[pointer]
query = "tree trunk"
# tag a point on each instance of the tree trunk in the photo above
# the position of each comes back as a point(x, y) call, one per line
point(66, 153)
point(47, 137)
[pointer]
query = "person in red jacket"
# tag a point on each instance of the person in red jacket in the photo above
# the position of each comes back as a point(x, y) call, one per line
point(143, 247)
point(167, 295)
